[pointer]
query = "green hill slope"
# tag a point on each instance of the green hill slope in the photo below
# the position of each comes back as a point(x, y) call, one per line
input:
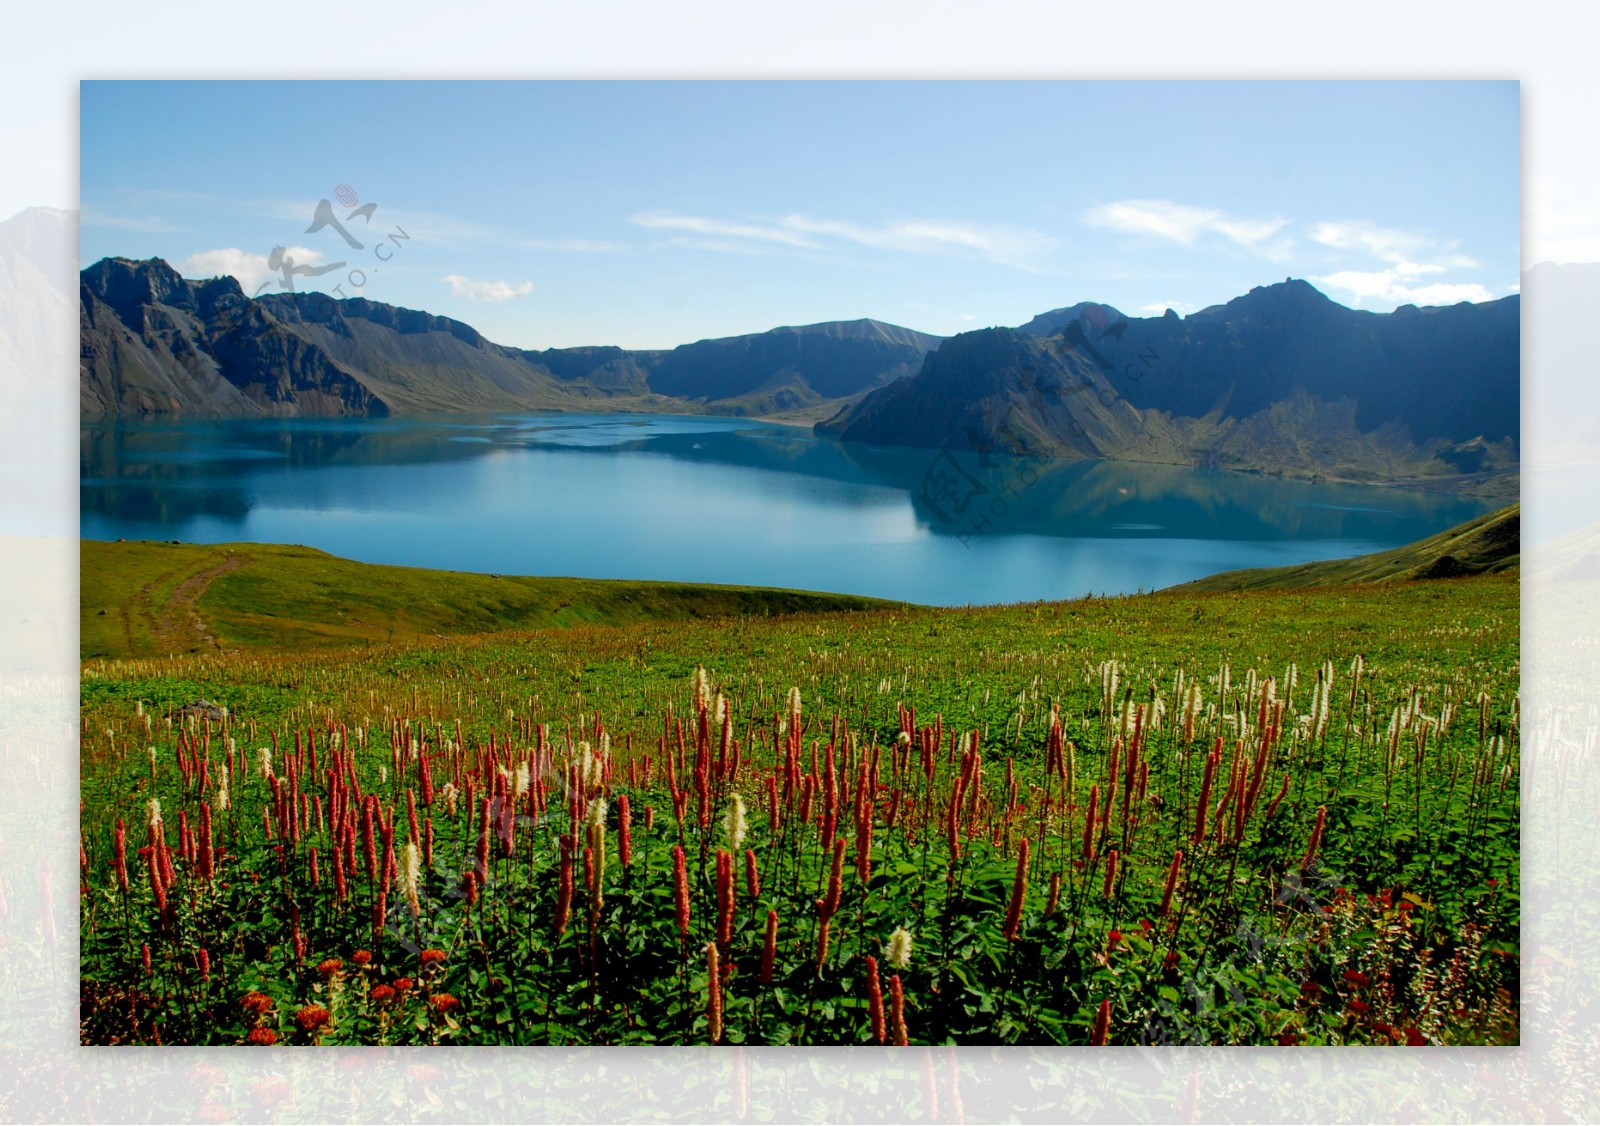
point(144, 599)
point(1489, 543)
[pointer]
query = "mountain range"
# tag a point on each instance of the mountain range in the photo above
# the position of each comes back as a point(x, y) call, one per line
point(155, 343)
point(1282, 380)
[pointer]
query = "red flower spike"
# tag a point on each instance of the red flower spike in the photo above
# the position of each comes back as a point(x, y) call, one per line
point(1102, 1024)
point(713, 993)
point(680, 889)
point(875, 1001)
point(897, 1011)
point(1019, 889)
point(769, 948)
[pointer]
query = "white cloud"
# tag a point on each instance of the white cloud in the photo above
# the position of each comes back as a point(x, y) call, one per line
point(1159, 308)
point(491, 291)
point(1011, 246)
point(251, 270)
point(1411, 257)
point(1180, 222)
point(1393, 285)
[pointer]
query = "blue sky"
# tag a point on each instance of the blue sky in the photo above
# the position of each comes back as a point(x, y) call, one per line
point(649, 214)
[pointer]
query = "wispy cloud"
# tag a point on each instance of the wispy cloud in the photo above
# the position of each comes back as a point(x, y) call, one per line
point(1012, 246)
point(577, 245)
point(1411, 256)
point(1399, 247)
point(999, 243)
point(489, 291)
point(92, 216)
point(725, 228)
point(251, 270)
point(425, 227)
point(1181, 222)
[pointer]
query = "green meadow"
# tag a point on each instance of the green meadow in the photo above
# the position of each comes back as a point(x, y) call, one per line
point(429, 807)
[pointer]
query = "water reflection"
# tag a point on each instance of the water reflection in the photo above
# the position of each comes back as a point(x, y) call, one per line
point(724, 500)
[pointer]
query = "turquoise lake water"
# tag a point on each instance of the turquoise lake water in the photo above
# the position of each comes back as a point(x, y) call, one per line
point(721, 500)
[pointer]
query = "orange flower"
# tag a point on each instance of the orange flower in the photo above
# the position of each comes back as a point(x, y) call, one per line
point(329, 967)
point(361, 958)
point(312, 1017)
point(429, 957)
point(261, 1037)
point(255, 1003)
point(382, 994)
point(444, 1003)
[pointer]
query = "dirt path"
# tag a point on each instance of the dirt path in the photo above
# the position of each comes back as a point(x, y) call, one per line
point(176, 626)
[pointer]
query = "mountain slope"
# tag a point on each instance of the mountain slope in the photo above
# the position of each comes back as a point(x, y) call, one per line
point(1281, 380)
point(822, 361)
point(154, 343)
point(1490, 543)
point(414, 361)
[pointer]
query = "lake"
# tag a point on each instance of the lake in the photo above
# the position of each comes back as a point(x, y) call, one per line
point(703, 499)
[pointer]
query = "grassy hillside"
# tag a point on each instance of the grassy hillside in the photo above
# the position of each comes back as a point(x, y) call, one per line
point(1491, 543)
point(151, 599)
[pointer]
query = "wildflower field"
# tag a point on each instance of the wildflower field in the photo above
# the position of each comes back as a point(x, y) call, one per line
point(1283, 817)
